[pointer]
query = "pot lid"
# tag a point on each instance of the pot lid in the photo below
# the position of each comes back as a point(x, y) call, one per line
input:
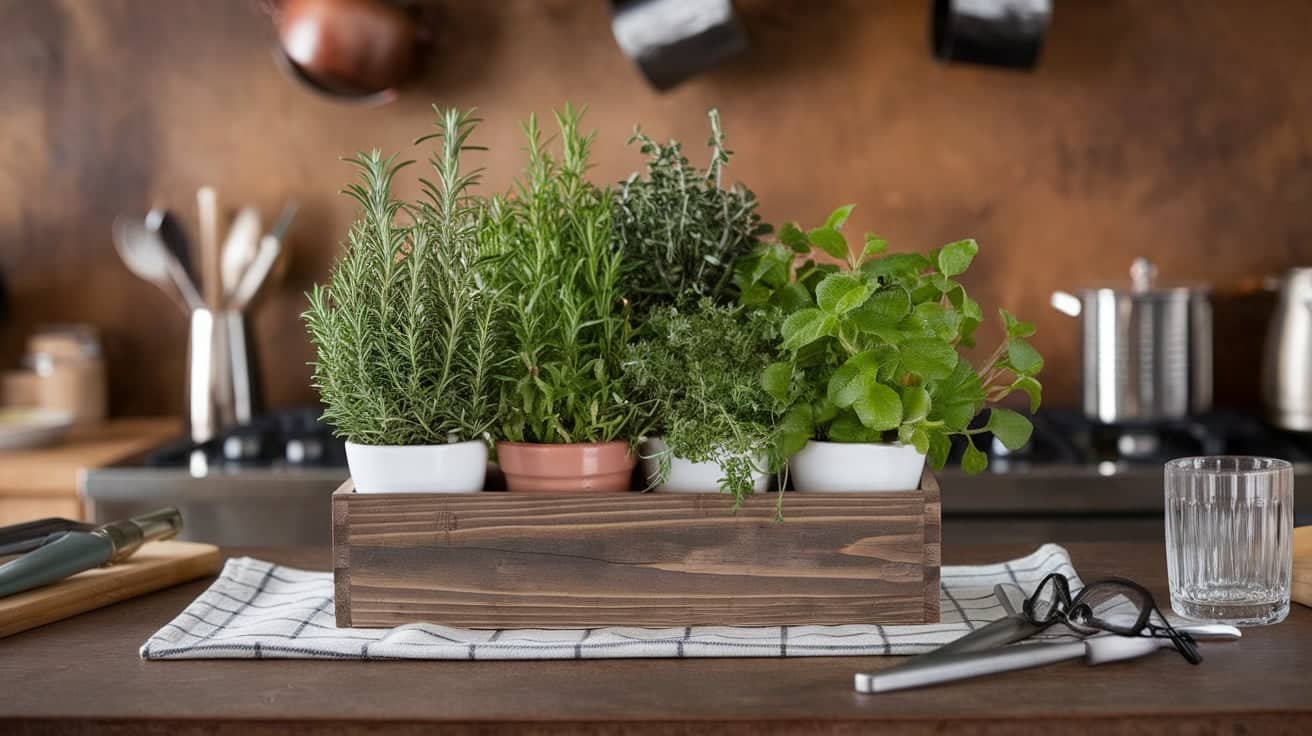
point(1144, 282)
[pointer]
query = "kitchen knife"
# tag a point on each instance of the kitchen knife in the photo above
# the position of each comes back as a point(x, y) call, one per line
point(76, 551)
point(1100, 649)
point(1007, 630)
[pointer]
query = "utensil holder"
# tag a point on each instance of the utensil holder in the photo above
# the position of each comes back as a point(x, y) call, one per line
point(221, 365)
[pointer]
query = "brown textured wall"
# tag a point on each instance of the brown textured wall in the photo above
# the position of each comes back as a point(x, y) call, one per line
point(1177, 129)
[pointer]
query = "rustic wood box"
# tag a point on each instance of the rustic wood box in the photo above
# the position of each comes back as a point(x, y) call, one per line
point(510, 560)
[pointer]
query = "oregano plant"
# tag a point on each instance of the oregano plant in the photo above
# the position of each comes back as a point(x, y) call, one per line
point(873, 343)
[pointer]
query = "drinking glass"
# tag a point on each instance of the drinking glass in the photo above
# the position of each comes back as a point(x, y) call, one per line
point(1229, 522)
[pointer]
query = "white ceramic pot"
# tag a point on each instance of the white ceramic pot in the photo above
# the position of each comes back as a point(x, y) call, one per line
point(458, 467)
point(856, 466)
point(687, 476)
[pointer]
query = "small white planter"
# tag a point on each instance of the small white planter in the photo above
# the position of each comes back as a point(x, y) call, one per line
point(856, 466)
point(458, 467)
point(687, 476)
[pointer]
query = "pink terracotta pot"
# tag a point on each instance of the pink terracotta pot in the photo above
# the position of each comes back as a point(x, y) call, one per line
point(580, 467)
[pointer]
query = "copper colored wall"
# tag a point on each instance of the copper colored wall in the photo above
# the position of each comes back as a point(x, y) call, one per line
point(1177, 129)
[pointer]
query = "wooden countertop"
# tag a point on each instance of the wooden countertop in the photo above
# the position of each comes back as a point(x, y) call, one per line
point(84, 674)
point(53, 470)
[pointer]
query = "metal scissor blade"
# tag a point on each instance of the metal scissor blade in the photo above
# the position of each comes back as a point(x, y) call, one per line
point(19, 538)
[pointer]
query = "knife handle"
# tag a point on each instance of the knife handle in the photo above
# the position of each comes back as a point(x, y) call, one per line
point(1000, 633)
point(964, 666)
point(69, 555)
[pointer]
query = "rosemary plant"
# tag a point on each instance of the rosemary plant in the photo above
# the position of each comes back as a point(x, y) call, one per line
point(407, 329)
point(701, 371)
point(681, 228)
point(561, 272)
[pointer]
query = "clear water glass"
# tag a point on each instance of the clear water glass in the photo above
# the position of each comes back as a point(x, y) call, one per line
point(1229, 523)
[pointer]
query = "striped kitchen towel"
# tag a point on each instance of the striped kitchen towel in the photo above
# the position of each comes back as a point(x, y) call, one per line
point(260, 610)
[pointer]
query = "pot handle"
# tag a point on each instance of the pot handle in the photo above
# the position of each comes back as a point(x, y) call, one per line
point(1066, 303)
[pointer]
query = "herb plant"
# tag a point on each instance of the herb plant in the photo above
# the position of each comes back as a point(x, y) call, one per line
point(701, 371)
point(873, 343)
point(406, 329)
point(681, 228)
point(561, 271)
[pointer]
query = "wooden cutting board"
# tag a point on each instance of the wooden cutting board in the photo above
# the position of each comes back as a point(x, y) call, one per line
point(155, 566)
point(1302, 584)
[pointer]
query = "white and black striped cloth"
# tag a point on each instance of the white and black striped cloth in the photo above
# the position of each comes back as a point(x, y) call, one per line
point(260, 610)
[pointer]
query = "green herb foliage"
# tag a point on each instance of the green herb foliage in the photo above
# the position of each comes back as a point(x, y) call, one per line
point(561, 271)
point(681, 228)
point(701, 370)
point(406, 328)
point(873, 344)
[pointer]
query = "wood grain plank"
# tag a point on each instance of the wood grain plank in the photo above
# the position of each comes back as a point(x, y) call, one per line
point(497, 560)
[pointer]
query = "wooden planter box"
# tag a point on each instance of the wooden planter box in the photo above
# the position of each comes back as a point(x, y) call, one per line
point(506, 560)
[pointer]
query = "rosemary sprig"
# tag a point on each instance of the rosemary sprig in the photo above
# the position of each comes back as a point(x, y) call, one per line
point(407, 330)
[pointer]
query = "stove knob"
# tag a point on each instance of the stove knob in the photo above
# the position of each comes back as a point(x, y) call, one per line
point(304, 450)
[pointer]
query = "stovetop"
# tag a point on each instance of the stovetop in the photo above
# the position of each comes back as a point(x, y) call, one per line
point(296, 438)
point(1064, 437)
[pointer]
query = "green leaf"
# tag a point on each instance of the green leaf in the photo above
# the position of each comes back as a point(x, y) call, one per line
point(792, 297)
point(1016, 328)
point(973, 461)
point(795, 430)
point(970, 309)
point(915, 403)
point(939, 448)
point(810, 274)
point(823, 411)
point(929, 357)
point(957, 399)
point(847, 428)
point(920, 440)
point(777, 380)
point(885, 309)
point(838, 218)
point(840, 293)
point(805, 327)
point(955, 258)
point(792, 236)
point(1012, 429)
point(849, 382)
point(940, 321)
point(1022, 356)
point(1032, 388)
point(896, 265)
point(829, 240)
point(880, 408)
point(874, 246)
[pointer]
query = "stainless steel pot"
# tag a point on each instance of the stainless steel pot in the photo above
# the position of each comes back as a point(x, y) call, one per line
point(1287, 364)
point(1147, 350)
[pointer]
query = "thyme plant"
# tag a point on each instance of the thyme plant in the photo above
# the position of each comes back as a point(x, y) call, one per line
point(407, 329)
point(561, 272)
point(701, 371)
point(681, 228)
point(873, 345)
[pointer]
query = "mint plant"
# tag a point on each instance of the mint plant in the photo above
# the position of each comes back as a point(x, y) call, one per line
point(873, 345)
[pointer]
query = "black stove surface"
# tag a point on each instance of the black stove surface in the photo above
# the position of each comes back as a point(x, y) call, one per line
point(1067, 437)
point(285, 438)
point(1062, 437)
